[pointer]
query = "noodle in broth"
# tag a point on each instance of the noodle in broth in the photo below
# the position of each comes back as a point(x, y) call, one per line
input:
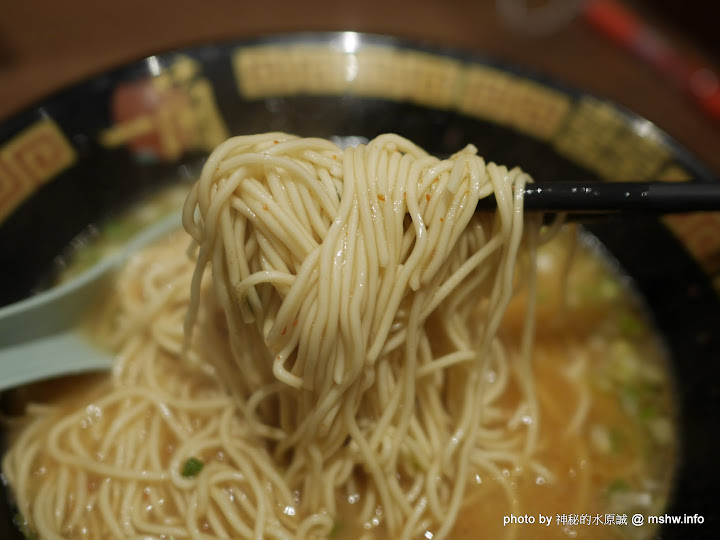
point(348, 369)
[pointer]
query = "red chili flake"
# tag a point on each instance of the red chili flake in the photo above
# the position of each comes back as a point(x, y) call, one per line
point(381, 197)
point(427, 197)
point(295, 322)
point(442, 219)
point(284, 330)
point(265, 206)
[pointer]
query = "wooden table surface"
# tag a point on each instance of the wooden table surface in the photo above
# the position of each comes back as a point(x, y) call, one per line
point(45, 47)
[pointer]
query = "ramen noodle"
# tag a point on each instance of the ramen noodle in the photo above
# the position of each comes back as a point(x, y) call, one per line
point(345, 348)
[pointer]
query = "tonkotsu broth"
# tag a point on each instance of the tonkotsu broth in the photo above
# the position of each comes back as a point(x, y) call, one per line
point(606, 421)
point(586, 476)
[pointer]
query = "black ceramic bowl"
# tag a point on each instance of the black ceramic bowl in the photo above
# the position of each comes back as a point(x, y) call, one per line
point(95, 148)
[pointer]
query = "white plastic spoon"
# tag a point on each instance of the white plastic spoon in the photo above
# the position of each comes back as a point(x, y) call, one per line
point(40, 336)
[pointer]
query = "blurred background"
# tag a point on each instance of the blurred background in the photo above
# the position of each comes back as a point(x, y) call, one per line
point(656, 57)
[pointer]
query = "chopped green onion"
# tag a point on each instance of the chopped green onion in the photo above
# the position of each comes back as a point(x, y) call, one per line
point(642, 391)
point(114, 228)
point(631, 392)
point(22, 524)
point(119, 230)
point(192, 467)
point(624, 362)
point(604, 291)
point(630, 325)
point(335, 529)
point(608, 289)
point(648, 412)
point(414, 462)
point(618, 486)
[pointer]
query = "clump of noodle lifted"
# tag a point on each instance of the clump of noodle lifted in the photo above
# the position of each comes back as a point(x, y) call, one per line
point(363, 294)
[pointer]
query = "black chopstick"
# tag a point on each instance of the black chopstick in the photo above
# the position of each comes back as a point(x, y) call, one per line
point(619, 197)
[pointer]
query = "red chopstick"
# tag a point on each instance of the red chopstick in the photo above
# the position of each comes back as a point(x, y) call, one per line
point(626, 28)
